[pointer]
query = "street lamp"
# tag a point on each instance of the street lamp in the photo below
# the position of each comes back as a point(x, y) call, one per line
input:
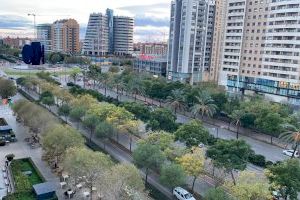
point(34, 25)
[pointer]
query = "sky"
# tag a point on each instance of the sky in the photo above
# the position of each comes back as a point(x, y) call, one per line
point(151, 16)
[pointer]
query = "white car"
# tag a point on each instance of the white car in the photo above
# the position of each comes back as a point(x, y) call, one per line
point(182, 194)
point(290, 153)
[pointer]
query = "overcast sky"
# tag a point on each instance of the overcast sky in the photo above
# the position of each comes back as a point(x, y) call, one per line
point(151, 16)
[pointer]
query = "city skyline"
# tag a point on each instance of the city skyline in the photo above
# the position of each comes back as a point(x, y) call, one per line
point(151, 18)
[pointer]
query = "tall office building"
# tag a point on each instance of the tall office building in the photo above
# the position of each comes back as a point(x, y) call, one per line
point(96, 42)
point(108, 34)
point(190, 40)
point(261, 47)
point(65, 36)
point(44, 36)
point(123, 35)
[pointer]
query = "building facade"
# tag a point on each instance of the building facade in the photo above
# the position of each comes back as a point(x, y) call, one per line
point(96, 42)
point(123, 35)
point(154, 66)
point(261, 47)
point(190, 40)
point(108, 34)
point(65, 36)
point(44, 36)
point(17, 42)
point(153, 49)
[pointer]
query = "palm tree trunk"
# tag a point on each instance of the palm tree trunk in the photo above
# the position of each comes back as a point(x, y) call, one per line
point(237, 132)
point(295, 149)
point(146, 179)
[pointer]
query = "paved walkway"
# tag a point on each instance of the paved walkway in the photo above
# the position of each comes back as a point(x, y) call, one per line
point(20, 148)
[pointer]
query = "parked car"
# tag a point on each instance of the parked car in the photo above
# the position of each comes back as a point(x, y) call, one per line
point(182, 194)
point(290, 153)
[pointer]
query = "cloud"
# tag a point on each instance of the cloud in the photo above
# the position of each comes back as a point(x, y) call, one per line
point(14, 22)
point(158, 10)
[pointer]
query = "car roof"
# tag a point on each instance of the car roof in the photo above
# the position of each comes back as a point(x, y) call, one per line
point(181, 190)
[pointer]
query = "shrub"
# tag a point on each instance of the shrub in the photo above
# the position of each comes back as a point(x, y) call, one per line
point(2, 143)
point(258, 160)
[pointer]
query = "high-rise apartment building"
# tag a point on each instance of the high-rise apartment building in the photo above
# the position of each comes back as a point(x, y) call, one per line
point(190, 40)
point(44, 36)
point(65, 36)
point(108, 34)
point(260, 48)
point(123, 35)
point(96, 41)
point(152, 49)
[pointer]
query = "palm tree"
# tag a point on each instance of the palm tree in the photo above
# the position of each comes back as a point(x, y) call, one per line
point(176, 100)
point(104, 78)
point(205, 105)
point(291, 135)
point(236, 117)
point(135, 87)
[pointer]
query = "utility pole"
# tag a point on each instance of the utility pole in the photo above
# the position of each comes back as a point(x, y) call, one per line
point(34, 24)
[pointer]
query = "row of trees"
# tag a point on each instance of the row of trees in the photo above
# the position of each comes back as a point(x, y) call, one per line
point(159, 152)
point(65, 147)
point(205, 99)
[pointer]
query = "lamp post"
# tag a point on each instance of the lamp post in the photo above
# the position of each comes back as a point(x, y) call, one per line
point(34, 25)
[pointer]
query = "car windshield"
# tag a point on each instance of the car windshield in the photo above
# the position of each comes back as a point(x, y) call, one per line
point(188, 195)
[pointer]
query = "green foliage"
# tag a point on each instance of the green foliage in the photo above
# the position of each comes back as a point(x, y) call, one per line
point(216, 194)
point(230, 154)
point(162, 119)
point(47, 77)
point(192, 133)
point(285, 177)
point(172, 175)
point(258, 160)
point(7, 88)
point(148, 156)
point(105, 130)
point(64, 110)
point(55, 57)
point(161, 139)
point(140, 111)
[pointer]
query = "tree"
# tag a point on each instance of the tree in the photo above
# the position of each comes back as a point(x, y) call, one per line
point(230, 155)
point(271, 124)
point(291, 135)
point(64, 110)
point(192, 133)
point(236, 117)
point(220, 99)
point(204, 106)
point(216, 194)
point(135, 87)
point(193, 164)
point(74, 73)
point(47, 98)
point(140, 111)
point(105, 131)
point(285, 178)
point(104, 79)
point(77, 114)
point(58, 139)
point(81, 162)
point(161, 139)
point(119, 181)
point(91, 121)
point(250, 186)
point(172, 175)
point(176, 100)
point(162, 119)
point(7, 88)
point(149, 157)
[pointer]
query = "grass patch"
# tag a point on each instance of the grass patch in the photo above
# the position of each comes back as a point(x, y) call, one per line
point(12, 72)
point(23, 183)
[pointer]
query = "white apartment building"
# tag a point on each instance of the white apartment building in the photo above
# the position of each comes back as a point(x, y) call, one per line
point(190, 40)
point(44, 36)
point(96, 42)
point(123, 35)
